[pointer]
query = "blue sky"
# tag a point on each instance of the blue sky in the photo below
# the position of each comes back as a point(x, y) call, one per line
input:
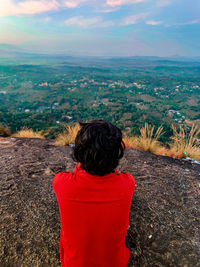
point(103, 27)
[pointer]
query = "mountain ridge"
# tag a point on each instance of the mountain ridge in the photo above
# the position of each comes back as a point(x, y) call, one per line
point(18, 51)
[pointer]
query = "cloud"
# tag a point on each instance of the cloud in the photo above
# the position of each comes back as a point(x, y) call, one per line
point(98, 22)
point(107, 9)
point(133, 19)
point(195, 21)
point(73, 3)
point(95, 22)
point(184, 23)
point(28, 7)
point(162, 3)
point(31, 7)
point(82, 22)
point(123, 2)
point(153, 22)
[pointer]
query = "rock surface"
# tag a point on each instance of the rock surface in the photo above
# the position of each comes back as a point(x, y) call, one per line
point(164, 215)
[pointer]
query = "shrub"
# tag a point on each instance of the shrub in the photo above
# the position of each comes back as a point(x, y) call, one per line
point(4, 131)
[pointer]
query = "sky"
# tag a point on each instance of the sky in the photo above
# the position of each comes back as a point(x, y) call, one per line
point(103, 27)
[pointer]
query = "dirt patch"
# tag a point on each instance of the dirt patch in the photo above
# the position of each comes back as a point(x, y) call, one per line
point(7, 141)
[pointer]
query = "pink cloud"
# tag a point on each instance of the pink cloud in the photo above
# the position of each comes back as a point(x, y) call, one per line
point(123, 2)
point(73, 3)
point(28, 7)
point(153, 22)
point(94, 22)
point(107, 9)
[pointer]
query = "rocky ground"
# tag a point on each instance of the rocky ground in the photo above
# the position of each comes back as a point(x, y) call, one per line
point(164, 216)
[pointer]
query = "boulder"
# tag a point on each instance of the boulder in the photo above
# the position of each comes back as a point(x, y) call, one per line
point(164, 215)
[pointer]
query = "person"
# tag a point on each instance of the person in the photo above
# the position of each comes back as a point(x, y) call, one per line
point(94, 200)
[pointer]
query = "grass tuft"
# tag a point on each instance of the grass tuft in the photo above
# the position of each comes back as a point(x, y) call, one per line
point(68, 135)
point(147, 141)
point(131, 141)
point(29, 133)
point(184, 143)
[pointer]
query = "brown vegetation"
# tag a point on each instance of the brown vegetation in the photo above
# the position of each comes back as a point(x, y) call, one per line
point(4, 131)
point(147, 140)
point(29, 133)
point(68, 135)
point(184, 143)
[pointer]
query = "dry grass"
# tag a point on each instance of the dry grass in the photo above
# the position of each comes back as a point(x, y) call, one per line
point(131, 142)
point(29, 133)
point(184, 141)
point(68, 135)
point(4, 131)
point(147, 141)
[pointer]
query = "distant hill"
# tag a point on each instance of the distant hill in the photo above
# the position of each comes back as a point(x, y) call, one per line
point(164, 215)
point(10, 48)
point(14, 51)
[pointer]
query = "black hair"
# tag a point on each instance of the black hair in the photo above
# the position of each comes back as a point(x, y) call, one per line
point(98, 146)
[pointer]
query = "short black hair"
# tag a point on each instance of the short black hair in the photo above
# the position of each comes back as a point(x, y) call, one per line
point(98, 146)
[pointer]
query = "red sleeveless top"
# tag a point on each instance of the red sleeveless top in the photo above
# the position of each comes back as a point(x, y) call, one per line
point(94, 215)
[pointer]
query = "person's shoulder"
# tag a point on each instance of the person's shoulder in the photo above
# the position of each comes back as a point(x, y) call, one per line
point(59, 178)
point(129, 177)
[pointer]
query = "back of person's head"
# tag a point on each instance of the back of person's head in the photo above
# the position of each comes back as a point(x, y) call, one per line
point(98, 146)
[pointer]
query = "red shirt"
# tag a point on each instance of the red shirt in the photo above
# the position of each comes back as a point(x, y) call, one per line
point(94, 214)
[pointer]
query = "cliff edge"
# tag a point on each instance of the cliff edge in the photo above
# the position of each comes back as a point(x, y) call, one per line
point(164, 215)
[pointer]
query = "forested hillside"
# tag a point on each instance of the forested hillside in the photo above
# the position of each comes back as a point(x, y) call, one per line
point(45, 92)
